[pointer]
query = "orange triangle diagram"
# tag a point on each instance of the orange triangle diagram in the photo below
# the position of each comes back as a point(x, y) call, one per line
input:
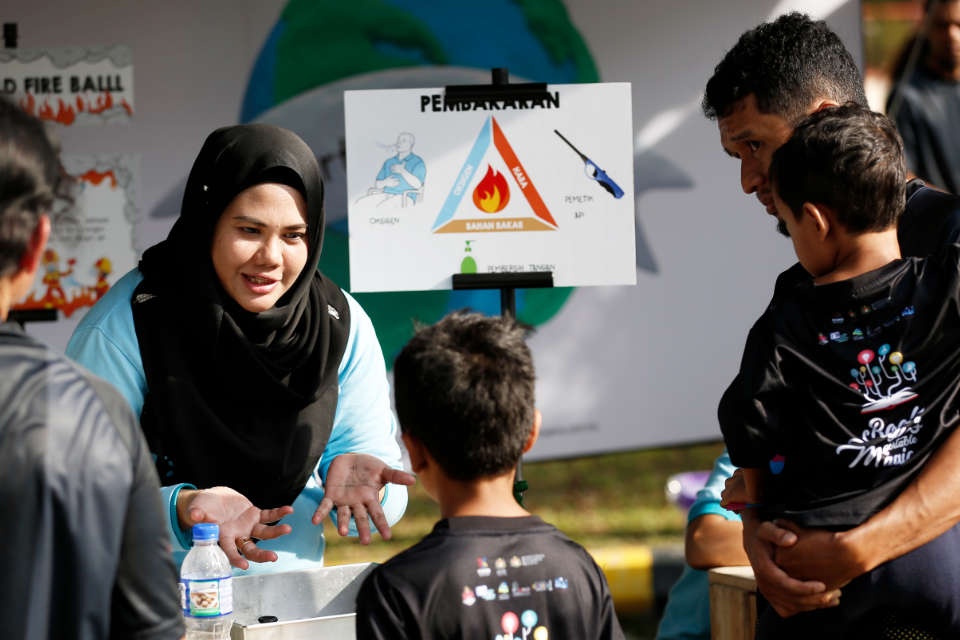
point(493, 192)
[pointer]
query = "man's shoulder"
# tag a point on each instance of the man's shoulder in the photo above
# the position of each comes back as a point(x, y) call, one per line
point(930, 220)
point(43, 380)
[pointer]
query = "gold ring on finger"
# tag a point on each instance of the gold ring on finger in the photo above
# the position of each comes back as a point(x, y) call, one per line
point(241, 543)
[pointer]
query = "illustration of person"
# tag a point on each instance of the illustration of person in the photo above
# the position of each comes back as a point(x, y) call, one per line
point(402, 174)
point(104, 268)
point(52, 276)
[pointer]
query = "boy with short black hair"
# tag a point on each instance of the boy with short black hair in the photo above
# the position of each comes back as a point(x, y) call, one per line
point(849, 379)
point(464, 392)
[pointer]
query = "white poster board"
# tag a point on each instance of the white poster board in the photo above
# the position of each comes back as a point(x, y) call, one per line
point(70, 85)
point(91, 239)
point(491, 185)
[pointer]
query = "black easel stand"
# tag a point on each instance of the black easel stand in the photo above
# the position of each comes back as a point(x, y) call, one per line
point(507, 283)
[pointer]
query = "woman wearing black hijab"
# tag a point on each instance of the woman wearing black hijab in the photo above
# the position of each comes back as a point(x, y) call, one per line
point(255, 377)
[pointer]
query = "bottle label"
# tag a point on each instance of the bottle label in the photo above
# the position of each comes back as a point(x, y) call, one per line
point(206, 598)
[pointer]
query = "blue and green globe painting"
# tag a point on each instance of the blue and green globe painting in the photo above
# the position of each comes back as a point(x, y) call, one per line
point(319, 48)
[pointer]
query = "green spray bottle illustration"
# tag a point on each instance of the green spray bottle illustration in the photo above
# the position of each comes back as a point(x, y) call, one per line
point(468, 264)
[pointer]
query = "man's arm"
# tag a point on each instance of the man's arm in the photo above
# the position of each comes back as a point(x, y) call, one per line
point(926, 508)
point(714, 536)
point(713, 541)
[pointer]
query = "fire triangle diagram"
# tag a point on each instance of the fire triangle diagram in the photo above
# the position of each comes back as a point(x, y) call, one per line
point(483, 199)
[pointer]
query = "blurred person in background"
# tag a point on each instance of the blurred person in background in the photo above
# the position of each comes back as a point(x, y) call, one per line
point(714, 538)
point(925, 101)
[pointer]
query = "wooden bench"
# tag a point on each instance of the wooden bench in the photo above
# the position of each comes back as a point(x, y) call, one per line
point(733, 603)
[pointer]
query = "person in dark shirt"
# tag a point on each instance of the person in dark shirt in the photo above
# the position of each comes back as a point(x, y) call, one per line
point(848, 381)
point(88, 557)
point(925, 103)
point(464, 391)
point(776, 74)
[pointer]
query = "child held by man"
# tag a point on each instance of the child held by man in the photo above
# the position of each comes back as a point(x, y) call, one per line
point(849, 380)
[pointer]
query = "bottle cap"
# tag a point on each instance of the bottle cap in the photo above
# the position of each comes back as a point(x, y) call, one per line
point(206, 531)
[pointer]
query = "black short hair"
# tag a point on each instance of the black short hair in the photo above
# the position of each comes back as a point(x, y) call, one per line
point(787, 64)
point(464, 387)
point(30, 181)
point(848, 158)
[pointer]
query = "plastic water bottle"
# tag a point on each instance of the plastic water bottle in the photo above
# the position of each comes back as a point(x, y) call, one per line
point(206, 587)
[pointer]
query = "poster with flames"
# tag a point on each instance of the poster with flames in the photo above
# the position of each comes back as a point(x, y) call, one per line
point(494, 185)
point(70, 85)
point(91, 239)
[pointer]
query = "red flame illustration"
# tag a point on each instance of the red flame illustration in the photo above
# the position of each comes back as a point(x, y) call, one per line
point(96, 177)
point(492, 193)
point(67, 113)
point(85, 297)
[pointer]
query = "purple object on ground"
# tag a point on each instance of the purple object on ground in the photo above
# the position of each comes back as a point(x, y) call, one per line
point(682, 488)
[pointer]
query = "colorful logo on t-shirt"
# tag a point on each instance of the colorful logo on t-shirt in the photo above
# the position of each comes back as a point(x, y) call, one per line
point(510, 624)
point(776, 464)
point(882, 378)
point(468, 596)
point(483, 569)
point(485, 593)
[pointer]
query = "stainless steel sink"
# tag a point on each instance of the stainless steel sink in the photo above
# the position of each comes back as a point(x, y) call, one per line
point(311, 604)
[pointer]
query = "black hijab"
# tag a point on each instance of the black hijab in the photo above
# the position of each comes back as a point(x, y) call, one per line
point(236, 398)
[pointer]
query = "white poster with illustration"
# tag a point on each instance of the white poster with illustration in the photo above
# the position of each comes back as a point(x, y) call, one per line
point(70, 85)
point(91, 240)
point(492, 185)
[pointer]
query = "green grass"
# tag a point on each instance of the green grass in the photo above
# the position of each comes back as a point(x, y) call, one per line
point(597, 501)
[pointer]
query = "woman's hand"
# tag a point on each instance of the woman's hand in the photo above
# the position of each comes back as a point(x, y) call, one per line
point(354, 486)
point(239, 521)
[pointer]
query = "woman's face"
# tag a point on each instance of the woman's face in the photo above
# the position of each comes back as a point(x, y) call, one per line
point(260, 244)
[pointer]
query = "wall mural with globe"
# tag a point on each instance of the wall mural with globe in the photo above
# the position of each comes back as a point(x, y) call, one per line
point(619, 367)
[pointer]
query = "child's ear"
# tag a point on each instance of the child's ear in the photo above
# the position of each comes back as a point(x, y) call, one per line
point(535, 431)
point(38, 241)
point(416, 451)
point(819, 217)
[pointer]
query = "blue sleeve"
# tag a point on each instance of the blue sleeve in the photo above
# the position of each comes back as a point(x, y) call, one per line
point(364, 422)
point(708, 498)
point(385, 169)
point(105, 342)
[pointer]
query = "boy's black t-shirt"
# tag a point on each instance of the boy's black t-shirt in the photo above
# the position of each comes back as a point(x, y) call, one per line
point(846, 389)
point(488, 578)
